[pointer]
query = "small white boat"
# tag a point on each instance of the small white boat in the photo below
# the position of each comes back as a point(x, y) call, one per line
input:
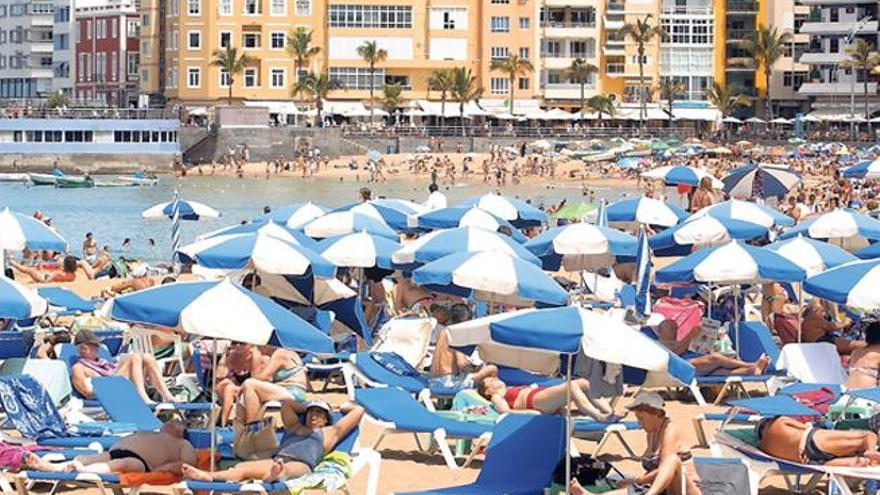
point(139, 180)
point(13, 177)
point(43, 179)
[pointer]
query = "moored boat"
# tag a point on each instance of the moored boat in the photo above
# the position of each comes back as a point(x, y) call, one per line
point(13, 177)
point(74, 182)
point(139, 179)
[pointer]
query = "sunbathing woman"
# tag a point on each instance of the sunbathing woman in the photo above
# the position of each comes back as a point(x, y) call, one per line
point(546, 400)
point(707, 364)
point(794, 441)
point(67, 273)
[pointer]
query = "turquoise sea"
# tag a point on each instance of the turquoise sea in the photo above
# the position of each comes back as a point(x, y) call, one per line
point(113, 214)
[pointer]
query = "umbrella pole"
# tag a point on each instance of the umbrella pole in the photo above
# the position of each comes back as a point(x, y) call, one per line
point(800, 304)
point(213, 389)
point(736, 316)
point(568, 424)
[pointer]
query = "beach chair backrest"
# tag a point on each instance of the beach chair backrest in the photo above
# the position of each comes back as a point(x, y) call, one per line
point(390, 369)
point(51, 374)
point(13, 345)
point(69, 354)
point(815, 362)
point(67, 299)
point(29, 408)
point(408, 337)
point(724, 476)
point(524, 450)
point(122, 403)
point(754, 340)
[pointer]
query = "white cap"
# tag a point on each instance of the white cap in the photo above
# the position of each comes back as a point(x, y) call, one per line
point(649, 399)
point(139, 271)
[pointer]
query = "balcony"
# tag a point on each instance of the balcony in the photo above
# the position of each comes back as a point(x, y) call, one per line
point(740, 64)
point(742, 7)
point(614, 24)
point(841, 28)
point(615, 69)
point(823, 58)
point(41, 47)
point(614, 8)
point(568, 25)
point(737, 35)
point(614, 48)
point(837, 88)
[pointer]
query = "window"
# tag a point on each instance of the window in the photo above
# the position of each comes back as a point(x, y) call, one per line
point(371, 16)
point(100, 29)
point(225, 39)
point(131, 64)
point(250, 78)
point(114, 69)
point(133, 29)
point(88, 35)
point(277, 39)
point(691, 31)
point(448, 21)
point(500, 24)
point(834, 45)
point(250, 40)
point(114, 28)
point(498, 52)
point(225, 7)
point(357, 77)
point(500, 2)
point(278, 7)
point(172, 43)
point(525, 23)
point(82, 67)
point(524, 52)
point(499, 85)
point(224, 79)
point(174, 11)
point(194, 7)
point(303, 7)
point(794, 79)
point(524, 83)
point(277, 77)
point(145, 20)
point(252, 7)
point(402, 81)
point(193, 77)
point(194, 40)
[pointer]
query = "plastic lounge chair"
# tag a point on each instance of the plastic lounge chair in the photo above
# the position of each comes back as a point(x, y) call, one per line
point(14, 344)
point(122, 403)
point(520, 459)
point(365, 369)
point(725, 476)
point(816, 362)
point(66, 301)
point(26, 479)
point(395, 411)
point(69, 354)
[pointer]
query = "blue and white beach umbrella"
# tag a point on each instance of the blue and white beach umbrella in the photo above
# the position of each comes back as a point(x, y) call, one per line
point(865, 169)
point(265, 227)
point(18, 302)
point(464, 216)
point(534, 339)
point(842, 226)
point(580, 246)
point(705, 231)
point(347, 222)
point(435, 245)
point(491, 276)
point(760, 180)
point(853, 284)
point(811, 255)
point(643, 274)
point(359, 250)
point(219, 310)
point(397, 214)
point(18, 232)
point(296, 215)
point(516, 211)
point(647, 211)
point(189, 210)
point(731, 263)
point(746, 211)
point(175, 223)
point(257, 251)
point(673, 175)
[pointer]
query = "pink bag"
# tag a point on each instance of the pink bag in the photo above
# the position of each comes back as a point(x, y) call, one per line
point(686, 313)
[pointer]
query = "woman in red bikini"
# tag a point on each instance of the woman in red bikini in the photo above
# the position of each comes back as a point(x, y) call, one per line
point(546, 400)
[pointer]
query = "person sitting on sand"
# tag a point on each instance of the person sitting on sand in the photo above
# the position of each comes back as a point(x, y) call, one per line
point(67, 273)
point(165, 451)
point(304, 444)
point(864, 363)
point(545, 399)
point(138, 368)
point(788, 439)
point(707, 364)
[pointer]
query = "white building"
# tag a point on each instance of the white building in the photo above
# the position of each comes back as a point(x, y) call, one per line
point(687, 52)
point(26, 48)
point(63, 47)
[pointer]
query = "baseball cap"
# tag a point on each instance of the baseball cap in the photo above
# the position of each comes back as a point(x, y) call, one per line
point(647, 399)
point(86, 337)
point(323, 405)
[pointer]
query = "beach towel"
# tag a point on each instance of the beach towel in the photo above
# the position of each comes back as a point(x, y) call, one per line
point(392, 362)
point(29, 408)
point(12, 456)
point(158, 478)
point(330, 474)
point(471, 403)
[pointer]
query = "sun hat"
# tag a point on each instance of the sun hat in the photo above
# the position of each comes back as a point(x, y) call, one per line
point(646, 399)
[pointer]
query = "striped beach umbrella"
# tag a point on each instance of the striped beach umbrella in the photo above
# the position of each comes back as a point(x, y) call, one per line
point(359, 250)
point(746, 211)
point(18, 302)
point(294, 216)
point(731, 263)
point(468, 216)
point(347, 222)
point(865, 169)
point(647, 211)
point(853, 284)
point(581, 246)
point(187, 210)
point(643, 274)
point(673, 175)
point(514, 210)
point(175, 224)
point(18, 232)
point(760, 180)
point(398, 214)
point(811, 255)
point(435, 245)
point(706, 230)
point(265, 227)
point(843, 226)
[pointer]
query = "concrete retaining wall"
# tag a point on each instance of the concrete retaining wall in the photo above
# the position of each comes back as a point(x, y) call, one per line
point(84, 163)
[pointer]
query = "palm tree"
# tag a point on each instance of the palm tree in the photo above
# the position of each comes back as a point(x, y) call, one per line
point(726, 98)
point(317, 86)
point(464, 91)
point(601, 104)
point(231, 62)
point(441, 80)
point(766, 46)
point(861, 57)
point(642, 33)
point(579, 71)
point(668, 90)
point(299, 46)
point(392, 97)
point(513, 66)
point(372, 54)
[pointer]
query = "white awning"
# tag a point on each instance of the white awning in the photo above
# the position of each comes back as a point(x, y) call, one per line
point(832, 116)
point(433, 108)
point(279, 107)
point(560, 114)
point(197, 111)
point(706, 114)
point(351, 109)
point(631, 113)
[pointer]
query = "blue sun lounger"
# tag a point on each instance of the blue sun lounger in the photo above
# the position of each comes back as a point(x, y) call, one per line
point(67, 301)
point(520, 459)
point(118, 397)
point(395, 411)
point(374, 369)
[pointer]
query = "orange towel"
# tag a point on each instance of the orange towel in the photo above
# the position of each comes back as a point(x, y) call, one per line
point(203, 461)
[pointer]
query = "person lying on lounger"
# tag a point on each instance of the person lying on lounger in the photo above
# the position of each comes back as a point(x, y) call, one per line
point(788, 439)
point(141, 452)
point(707, 364)
point(546, 400)
point(303, 445)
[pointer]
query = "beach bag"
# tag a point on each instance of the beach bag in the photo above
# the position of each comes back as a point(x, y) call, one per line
point(686, 313)
point(818, 400)
point(585, 469)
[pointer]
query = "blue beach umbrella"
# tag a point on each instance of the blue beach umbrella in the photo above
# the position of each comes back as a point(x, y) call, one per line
point(673, 175)
point(580, 246)
point(18, 232)
point(643, 274)
point(706, 230)
point(647, 211)
point(811, 255)
point(853, 284)
point(491, 276)
point(347, 222)
point(731, 263)
point(865, 169)
point(516, 211)
point(843, 225)
point(18, 302)
point(746, 211)
point(294, 216)
point(440, 243)
point(760, 180)
point(265, 227)
point(359, 250)
point(189, 210)
point(219, 310)
point(397, 214)
point(468, 216)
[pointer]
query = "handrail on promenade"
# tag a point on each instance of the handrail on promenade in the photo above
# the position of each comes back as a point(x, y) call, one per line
point(518, 132)
point(12, 112)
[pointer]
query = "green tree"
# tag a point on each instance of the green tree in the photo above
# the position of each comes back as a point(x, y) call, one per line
point(441, 80)
point(766, 46)
point(392, 97)
point(862, 58)
point(317, 87)
point(464, 91)
point(233, 63)
point(57, 100)
point(513, 66)
point(669, 89)
point(643, 34)
point(579, 71)
point(601, 104)
point(299, 46)
point(372, 54)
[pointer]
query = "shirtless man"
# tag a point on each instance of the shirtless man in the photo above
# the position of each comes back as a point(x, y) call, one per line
point(138, 281)
point(145, 451)
point(794, 441)
point(817, 328)
point(707, 364)
point(409, 297)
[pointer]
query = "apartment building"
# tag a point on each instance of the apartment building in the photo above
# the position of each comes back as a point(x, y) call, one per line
point(62, 48)
point(790, 72)
point(152, 77)
point(569, 29)
point(107, 48)
point(26, 68)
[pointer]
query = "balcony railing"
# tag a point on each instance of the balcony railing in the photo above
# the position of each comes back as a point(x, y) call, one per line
point(739, 34)
point(563, 24)
point(740, 6)
point(614, 7)
point(615, 68)
point(568, 54)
